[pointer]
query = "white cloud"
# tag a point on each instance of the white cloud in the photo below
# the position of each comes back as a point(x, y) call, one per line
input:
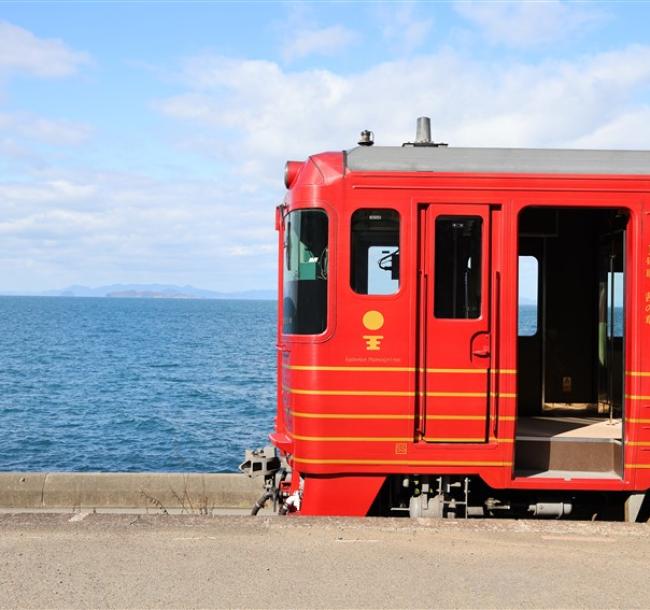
point(403, 26)
point(22, 51)
point(101, 227)
point(41, 129)
point(260, 114)
point(628, 129)
point(21, 132)
point(526, 24)
point(330, 40)
point(47, 191)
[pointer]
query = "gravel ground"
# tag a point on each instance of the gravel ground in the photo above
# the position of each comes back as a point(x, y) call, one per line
point(184, 561)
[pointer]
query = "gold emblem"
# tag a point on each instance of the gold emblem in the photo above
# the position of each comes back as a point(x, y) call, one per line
point(373, 320)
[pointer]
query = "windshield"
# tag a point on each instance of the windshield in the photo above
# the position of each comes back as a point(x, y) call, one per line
point(304, 301)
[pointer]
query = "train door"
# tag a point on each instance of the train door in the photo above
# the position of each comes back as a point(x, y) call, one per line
point(454, 323)
point(571, 343)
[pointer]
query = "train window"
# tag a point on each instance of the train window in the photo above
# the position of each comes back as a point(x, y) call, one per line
point(457, 284)
point(374, 246)
point(528, 299)
point(615, 281)
point(304, 298)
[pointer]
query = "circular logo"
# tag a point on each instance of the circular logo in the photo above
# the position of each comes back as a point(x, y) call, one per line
point(373, 320)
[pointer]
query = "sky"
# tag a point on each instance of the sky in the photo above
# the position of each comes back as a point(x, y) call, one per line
point(145, 142)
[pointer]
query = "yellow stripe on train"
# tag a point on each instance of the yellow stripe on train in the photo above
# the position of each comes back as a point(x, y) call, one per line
point(393, 369)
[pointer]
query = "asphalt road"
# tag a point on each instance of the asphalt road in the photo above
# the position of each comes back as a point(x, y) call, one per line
point(185, 561)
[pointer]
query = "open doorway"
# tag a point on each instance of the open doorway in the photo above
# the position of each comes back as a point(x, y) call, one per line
point(571, 342)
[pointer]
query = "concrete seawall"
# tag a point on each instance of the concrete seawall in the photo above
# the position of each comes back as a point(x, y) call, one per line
point(195, 492)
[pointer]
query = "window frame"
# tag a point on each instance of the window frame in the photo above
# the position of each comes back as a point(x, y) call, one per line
point(537, 300)
point(400, 241)
point(330, 319)
point(434, 256)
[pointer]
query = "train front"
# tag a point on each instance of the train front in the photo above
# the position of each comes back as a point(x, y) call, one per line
point(304, 222)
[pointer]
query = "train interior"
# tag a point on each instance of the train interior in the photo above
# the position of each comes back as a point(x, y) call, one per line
point(571, 335)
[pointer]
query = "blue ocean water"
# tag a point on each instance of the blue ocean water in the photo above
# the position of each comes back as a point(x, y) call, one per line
point(528, 321)
point(134, 384)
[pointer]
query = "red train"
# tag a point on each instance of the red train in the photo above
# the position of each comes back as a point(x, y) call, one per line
point(415, 376)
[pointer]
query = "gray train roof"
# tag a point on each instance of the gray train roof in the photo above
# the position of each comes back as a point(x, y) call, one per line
point(497, 160)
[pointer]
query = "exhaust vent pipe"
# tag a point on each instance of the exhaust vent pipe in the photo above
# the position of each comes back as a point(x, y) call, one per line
point(423, 134)
point(423, 130)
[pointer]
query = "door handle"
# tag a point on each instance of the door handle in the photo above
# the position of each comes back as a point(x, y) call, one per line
point(480, 347)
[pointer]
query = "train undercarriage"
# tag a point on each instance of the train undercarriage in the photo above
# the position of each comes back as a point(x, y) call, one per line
point(450, 497)
point(462, 497)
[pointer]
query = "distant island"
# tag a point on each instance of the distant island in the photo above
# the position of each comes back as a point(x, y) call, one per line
point(150, 294)
point(151, 291)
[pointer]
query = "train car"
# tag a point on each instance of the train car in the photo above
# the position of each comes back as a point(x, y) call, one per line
point(416, 378)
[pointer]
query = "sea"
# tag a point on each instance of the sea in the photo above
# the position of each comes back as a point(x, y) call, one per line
point(132, 385)
point(112, 384)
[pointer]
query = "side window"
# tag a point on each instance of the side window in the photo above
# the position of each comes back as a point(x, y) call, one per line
point(617, 278)
point(457, 284)
point(374, 251)
point(528, 299)
point(304, 294)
